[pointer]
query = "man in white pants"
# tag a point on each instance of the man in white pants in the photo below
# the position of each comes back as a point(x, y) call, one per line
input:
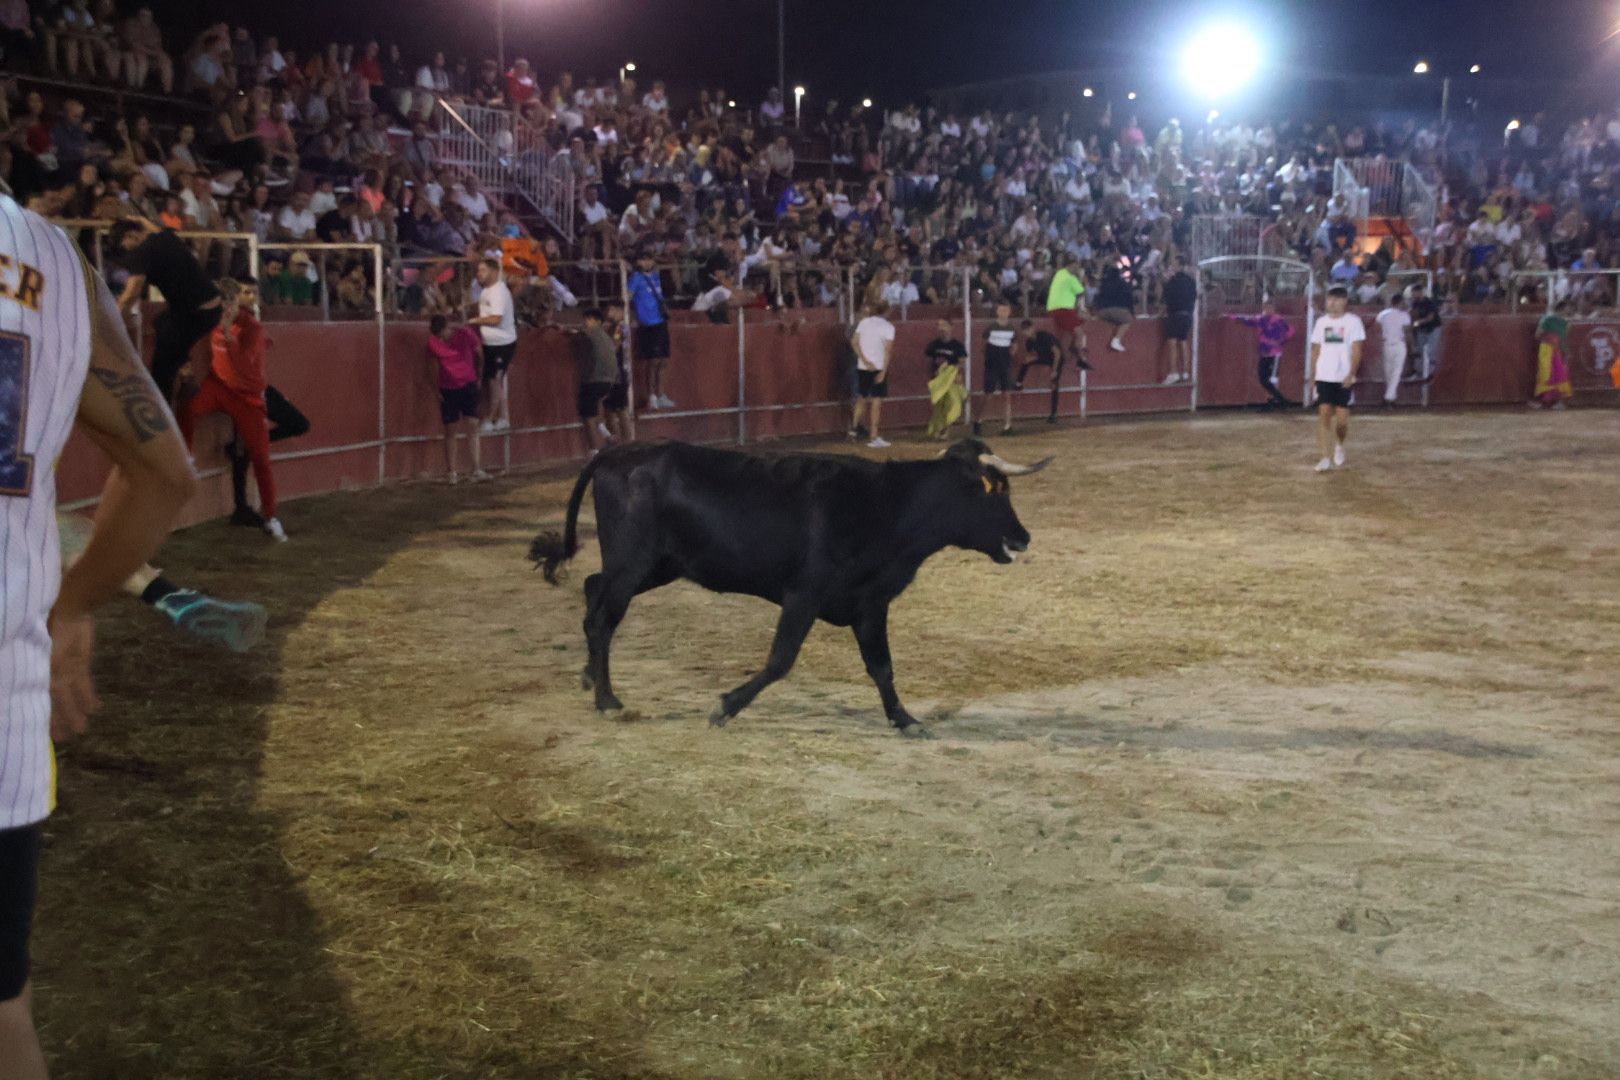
point(1395, 328)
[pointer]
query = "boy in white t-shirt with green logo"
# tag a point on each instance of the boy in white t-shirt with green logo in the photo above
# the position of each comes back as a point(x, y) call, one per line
point(1336, 342)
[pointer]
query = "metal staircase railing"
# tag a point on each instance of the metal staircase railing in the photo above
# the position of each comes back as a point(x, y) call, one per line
point(491, 145)
point(1378, 187)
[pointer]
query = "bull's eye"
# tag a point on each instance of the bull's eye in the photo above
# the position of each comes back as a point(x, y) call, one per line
point(988, 486)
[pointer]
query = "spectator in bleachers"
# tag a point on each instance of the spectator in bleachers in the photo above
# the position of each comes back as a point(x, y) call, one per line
point(296, 221)
point(272, 63)
point(142, 43)
point(520, 84)
point(71, 136)
point(771, 109)
point(18, 42)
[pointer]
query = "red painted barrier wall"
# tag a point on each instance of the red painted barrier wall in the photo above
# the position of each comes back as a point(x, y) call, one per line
point(793, 385)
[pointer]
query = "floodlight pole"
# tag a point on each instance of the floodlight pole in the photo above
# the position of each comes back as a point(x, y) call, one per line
point(781, 45)
point(500, 34)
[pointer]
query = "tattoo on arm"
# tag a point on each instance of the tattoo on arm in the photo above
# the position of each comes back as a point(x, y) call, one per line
point(147, 415)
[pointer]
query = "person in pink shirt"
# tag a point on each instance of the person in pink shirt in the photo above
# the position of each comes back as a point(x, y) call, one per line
point(455, 352)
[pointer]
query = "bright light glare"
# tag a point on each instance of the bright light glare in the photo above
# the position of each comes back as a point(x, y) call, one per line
point(798, 91)
point(866, 103)
point(630, 65)
point(1220, 60)
point(1513, 125)
point(1422, 68)
point(1086, 92)
point(731, 104)
point(1131, 96)
point(1474, 70)
point(1214, 115)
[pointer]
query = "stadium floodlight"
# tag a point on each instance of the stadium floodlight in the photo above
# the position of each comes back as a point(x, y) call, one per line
point(1474, 70)
point(1214, 115)
point(732, 104)
point(1086, 92)
point(1513, 125)
point(798, 99)
point(1421, 68)
point(866, 103)
point(1220, 60)
point(1131, 96)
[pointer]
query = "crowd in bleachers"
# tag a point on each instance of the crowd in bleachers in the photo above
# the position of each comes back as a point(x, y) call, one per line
point(909, 203)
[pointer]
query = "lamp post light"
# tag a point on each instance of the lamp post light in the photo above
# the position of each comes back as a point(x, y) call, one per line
point(798, 100)
point(629, 66)
point(1423, 67)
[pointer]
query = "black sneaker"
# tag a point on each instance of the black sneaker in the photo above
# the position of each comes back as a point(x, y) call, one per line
point(978, 429)
point(1085, 365)
point(247, 517)
point(1052, 419)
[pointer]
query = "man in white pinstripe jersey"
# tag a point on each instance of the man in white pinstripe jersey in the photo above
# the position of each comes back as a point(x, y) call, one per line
point(64, 358)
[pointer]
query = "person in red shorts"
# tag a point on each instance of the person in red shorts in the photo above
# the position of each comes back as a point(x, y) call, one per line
point(235, 386)
point(1064, 302)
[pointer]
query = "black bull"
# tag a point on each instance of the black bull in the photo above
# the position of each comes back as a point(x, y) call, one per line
point(824, 536)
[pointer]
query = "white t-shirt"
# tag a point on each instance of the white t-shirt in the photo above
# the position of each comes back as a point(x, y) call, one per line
point(477, 205)
point(594, 213)
point(871, 334)
point(1392, 322)
point(298, 225)
point(496, 299)
point(1336, 336)
point(900, 293)
point(715, 297)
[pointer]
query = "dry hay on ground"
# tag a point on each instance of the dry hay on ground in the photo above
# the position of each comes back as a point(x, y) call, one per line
point(1243, 772)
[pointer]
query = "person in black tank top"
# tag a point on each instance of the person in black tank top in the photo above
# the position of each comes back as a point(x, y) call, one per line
point(159, 258)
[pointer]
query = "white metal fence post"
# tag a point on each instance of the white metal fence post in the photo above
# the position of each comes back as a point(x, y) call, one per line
point(967, 343)
point(629, 347)
point(382, 366)
point(742, 377)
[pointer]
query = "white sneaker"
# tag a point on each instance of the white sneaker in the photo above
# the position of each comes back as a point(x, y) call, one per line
point(479, 476)
point(603, 429)
point(878, 444)
point(1117, 345)
point(273, 529)
point(1171, 379)
point(504, 425)
point(653, 404)
point(487, 428)
point(1324, 465)
point(667, 402)
point(1338, 456)
point(453, 479)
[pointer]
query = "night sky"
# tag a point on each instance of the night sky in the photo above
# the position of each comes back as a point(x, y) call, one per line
point(856, 47)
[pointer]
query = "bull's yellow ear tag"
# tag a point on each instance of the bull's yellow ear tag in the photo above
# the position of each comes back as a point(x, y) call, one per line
point(988, 486)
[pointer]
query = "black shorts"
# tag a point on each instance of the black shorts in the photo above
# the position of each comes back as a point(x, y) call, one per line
point(458, 403)
point(652, 342)
point(618, 398)
point(591, 396)
point(997, 371)
point(869, 387)
point(1334, 393)
point(1178, 325)
point(19, 884)
point(498, 359)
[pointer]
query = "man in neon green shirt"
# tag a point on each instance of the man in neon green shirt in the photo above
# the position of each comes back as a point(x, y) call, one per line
point(1064, 301)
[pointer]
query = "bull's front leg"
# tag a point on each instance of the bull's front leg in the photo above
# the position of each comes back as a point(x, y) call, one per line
point(872, 632)
point(798, 616)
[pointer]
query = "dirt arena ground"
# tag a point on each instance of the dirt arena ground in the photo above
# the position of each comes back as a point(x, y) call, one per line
point(1241, 772)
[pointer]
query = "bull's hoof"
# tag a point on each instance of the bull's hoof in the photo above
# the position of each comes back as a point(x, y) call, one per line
point(719, 717)
point(608, 703)
point(916, 731)
point(586, 682)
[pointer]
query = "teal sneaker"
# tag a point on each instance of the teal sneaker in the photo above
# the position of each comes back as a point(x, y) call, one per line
point(237, 626)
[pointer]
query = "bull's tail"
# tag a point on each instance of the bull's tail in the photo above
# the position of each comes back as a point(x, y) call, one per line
point(549, 550)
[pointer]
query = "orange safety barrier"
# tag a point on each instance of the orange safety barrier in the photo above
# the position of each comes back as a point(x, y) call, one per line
point(376, 420)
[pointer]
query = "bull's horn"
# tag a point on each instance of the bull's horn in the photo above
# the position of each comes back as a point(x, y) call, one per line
point(1007, 468)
